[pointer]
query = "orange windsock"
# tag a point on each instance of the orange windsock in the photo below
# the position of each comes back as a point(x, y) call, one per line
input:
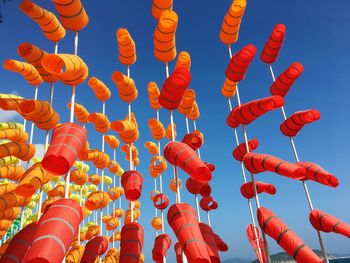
point(32, 180)
point(10, 214)
point(153, 95)
point(134, 152)
point(126, 87)
point(115, 236)
point(92, 231)
point(28, 71)
point(22, 151)
point(257, 163)
point(317, 174)
point(293, 124)
point(114, 167)
point(327, 223)
point(187, 102)
point(241, 150)
point(157, 129)
point(115, 192)
point(74, 254)
point(14, 135)
point(100, 159)
point(12, 172)
point(126, 47)
point(172, 185)
point(127, 129)
point(72, 14)
point(164, 36)
point(232, 22)
point(80, 112)
point(58, 191)
point(10, 103)
point(5, 224)
point(95, 179)
point(100, 121)
point(194, 114)
point(286, 238)
point(158, 6)
point(158, 166)
point(47, 21)
point(152, 147)
point(119, 212)
point(39, 112)
point(112, 224)
point(183, 60)
point(10, 199)
point(97, 200)
point(71, 69)
point(169, 133)
point(101, 91)
point(247, 189)
point(34, 55)
point(112, 141)
point(228, 90)
point(7, 188)
point(78, 177)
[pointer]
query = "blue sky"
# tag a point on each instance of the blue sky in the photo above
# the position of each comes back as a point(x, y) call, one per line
point(317, 36)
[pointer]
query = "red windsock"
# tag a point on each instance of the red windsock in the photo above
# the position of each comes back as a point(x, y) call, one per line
point(196, 187)
point(68, 139)
point(131, 243)
point(257, 163)
point(178, 252)
point(247, 189)
point(183, 221)
point(174, 87)
point(181, 155)
point(209, 239)
point(161, 201)
point(241, 150)
point(285, 81)
point(293, 124)
point(94, 248)
point(161, 245)
point(210, 166)
point(57, 228)
point(221, 245)
point(273, 45)
point(327, 223)
point(285, 238)
point(248, 112)
point(318, 174)
point(132, 183)
point(208, 203)
point(240, 62)
point(194, 140)
point(253, 235)
point(19, 244)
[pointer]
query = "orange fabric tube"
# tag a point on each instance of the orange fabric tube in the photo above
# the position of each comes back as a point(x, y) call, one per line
point(100, 159)
point(80, 112)
point(127, 129)
point(10, 103)
point(28, 71)
point(92, 231)
point(58, 191)
point(78, 177)
point(159, 6)
point(183, 60)
point(152, 147)
point(126, 47)
point(22, 151)
point(114, 167)
point(134, 152)
point(232, 22)
point(187, 102)
point(157, 129)
point(7, 188)
point(10, 200)
point(100, 121)
point(97, 200)
point(75, 253)
point(126, 87)
point(168, 132)
point(39, 112)
point(72, 14)
point(164, 36)
point(71, 69)
point(194, 114)
point(158, 166)
point(112, 141)
point(12, 172)
point(228, 90)
point(95, 179)
point(14, 135)
point(48, 22)
point(153, 95)
point(115, 192)
point(101, 91)
point(34, 55)
point(10, 214)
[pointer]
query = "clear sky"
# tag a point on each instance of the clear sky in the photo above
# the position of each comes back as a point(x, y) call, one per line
point(317, 36)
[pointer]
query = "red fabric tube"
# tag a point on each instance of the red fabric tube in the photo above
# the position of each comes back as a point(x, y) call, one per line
point(293, 124)
point(247, 189)
point(241, 150)
point(318, 174)
point(255, 240)
point(131, 243)
point(132, 183)
point(209, 239)
point(68, 139)
point(285, 81)
point(183, 221)
point(327, 223)
point(161, 201)
point(257, 163)
point(94, 248)
point(195, 141)
point(285, 238)
point(178, 252)
point(273, 45)
point(248, 112)
point(221, 245)
point(57, 228)
point(208, 203)
point(181, 155)
point(240, 62)
point(174, 87)
point(161, 245)
point(196, 187)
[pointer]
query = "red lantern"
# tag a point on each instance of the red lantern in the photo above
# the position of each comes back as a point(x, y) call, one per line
point(132, 184)
point(94, 248)
point(131, 243)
